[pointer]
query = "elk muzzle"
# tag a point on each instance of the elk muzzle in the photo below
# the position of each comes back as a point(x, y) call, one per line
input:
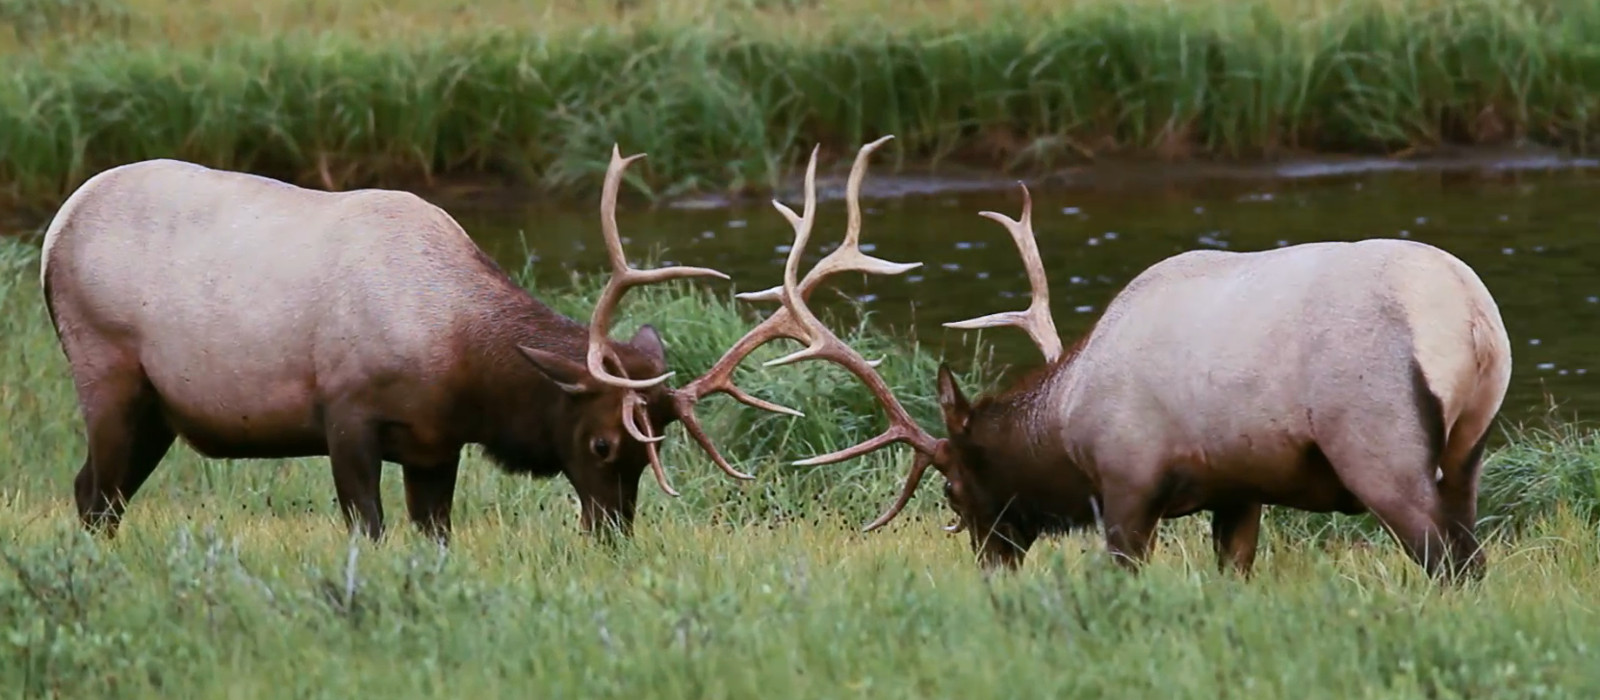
point(1000, 546)
point(607, 512)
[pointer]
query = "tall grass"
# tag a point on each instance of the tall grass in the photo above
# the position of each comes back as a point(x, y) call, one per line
point(730, 96)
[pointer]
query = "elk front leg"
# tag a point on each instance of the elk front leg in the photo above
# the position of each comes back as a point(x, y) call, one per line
point(353, 451)
point(430, 492)
point(1235, 532)
point(1130, 521)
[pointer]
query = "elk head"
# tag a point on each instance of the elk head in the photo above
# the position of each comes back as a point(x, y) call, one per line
point(617, 419)
point(611, 453)
point(984, 448)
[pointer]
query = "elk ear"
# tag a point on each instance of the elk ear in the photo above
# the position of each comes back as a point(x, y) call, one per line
point(571, 376)
point(957, 412)
point(648, 341)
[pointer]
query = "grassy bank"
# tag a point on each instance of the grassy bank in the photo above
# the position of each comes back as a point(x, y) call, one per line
point(728, 94)
point(235, 578)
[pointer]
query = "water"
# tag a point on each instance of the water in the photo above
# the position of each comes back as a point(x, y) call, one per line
point(1534, 237)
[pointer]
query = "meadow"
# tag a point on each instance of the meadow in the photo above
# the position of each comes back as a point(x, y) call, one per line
point(237, 579)
point(728, 95)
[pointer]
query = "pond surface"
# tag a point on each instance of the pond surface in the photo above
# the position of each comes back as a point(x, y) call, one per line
point(1533, 236)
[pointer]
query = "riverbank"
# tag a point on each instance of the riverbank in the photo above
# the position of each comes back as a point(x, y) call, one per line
point(725, 99)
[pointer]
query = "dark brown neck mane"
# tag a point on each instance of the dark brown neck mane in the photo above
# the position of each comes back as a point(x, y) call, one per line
point(1049, 493)
point(515, 409)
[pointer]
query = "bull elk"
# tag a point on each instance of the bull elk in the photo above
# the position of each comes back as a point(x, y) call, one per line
point(257, 319)
point(1332, 376)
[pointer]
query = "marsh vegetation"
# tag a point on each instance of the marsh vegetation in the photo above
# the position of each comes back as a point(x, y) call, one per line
point(728, 95)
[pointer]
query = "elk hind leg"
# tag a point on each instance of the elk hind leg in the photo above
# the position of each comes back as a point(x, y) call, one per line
point(355, 455)
point(1458, 496)
point(1389, 464)
point(128, 437)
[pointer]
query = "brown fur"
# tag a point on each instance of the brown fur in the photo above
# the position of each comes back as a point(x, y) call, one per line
point(1000, 474)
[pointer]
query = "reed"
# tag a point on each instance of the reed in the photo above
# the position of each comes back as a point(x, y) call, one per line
point(730, 95)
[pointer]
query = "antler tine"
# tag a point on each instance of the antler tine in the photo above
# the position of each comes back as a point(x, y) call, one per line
point(633, 413)
point(656, 468)
point(1036, 320)
point(823, 344)
point(632, 405)
point(919, 467)
point(848, 256)
point(634, 417)
point(720, 379)
point(623, 277)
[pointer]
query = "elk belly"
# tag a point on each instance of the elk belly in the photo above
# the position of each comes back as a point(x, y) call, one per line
point(253, 416)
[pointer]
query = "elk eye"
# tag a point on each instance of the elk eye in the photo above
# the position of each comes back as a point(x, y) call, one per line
point(601, 447)
point(949, 491)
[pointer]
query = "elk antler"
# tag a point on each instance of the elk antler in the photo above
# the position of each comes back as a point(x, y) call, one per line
point(799, 323)
point(634, 416)
point(622, 278)
point(784, 323)
point(823, 344)
point(1036, 320)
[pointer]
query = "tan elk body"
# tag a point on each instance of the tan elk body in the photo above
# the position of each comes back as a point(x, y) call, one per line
point(1335, 376)
point(1325, 377)
point(257, 319)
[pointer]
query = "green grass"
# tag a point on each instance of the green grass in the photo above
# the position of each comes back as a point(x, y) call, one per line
point(236, 579)
point(730, 94)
